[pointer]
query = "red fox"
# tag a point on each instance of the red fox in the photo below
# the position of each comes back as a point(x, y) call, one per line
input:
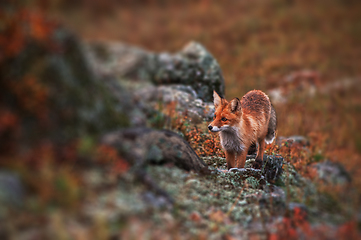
point(242, 123)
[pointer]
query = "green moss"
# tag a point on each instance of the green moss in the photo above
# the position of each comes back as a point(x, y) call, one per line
point(253, 182)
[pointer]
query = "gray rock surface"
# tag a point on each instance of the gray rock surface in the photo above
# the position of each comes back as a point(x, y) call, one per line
point(271, 167)
point(120, 60)
point(187, 103)
point(193, 66)
point(11, 189)
point(143, 146)
point(301, 140)
point(332, 173)
point(187, 77)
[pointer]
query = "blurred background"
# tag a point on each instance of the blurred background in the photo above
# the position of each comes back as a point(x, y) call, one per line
point(306, 55)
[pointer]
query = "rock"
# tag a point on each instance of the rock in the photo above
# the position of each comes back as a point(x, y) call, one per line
point(133, 111)
point(253, 177)
point(301, 140)
point(143, 146)
point(11, 189)
point(155, 201)
point(187, 78)
point(193, 66)
point(248, 172)
point(120, 60)
point(271, 167)
point(270, 171)
point(187, 103)
point(225, 192)
point(332, 173)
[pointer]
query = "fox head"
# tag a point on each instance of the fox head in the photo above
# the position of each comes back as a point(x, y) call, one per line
point(227, 114)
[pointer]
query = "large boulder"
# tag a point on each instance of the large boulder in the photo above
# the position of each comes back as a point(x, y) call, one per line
point(143, 146)
point(120, 60)
point(193, 66)
point(187, 103)
point(187, 77)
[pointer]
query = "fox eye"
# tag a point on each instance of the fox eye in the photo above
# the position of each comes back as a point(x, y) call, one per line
point(215, 116)
point(224, 119)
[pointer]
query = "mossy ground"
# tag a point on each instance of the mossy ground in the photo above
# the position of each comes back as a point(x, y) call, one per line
point(227, 201)
point(220, 203)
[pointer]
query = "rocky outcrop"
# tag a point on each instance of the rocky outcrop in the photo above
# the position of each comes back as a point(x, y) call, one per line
point(184, 97)
point(144, 146)
point(186, 78)
point(193, 66)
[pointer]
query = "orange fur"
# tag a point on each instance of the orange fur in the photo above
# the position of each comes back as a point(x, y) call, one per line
point(241, 123)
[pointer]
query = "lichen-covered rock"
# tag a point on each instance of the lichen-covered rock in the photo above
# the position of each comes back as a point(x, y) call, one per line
point(143, 146)
point(270, 171)
point(187, 103)
point(193, 66)
point(187, 77)
point(121, 60)
point(224, 192)
point(271, 166)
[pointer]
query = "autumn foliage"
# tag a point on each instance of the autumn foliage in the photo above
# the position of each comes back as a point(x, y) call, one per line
point(198, 136)
point(21, 26)
point(28, 96)
point(297, 226)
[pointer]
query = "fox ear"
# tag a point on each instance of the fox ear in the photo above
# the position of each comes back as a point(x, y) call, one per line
point(235, 105)
point(217, 100)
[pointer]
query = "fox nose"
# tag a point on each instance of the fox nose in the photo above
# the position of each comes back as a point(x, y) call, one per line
point(210, 127)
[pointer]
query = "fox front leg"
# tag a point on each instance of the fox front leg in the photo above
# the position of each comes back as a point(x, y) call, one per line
point(231, 159)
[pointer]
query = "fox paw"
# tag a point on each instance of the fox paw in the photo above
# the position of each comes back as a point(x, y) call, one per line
point(233, 169)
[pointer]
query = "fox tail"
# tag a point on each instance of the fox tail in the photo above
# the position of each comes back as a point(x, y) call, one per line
point(271, 134)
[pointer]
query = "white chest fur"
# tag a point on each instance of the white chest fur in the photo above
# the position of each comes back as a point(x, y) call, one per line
point(231, 140)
